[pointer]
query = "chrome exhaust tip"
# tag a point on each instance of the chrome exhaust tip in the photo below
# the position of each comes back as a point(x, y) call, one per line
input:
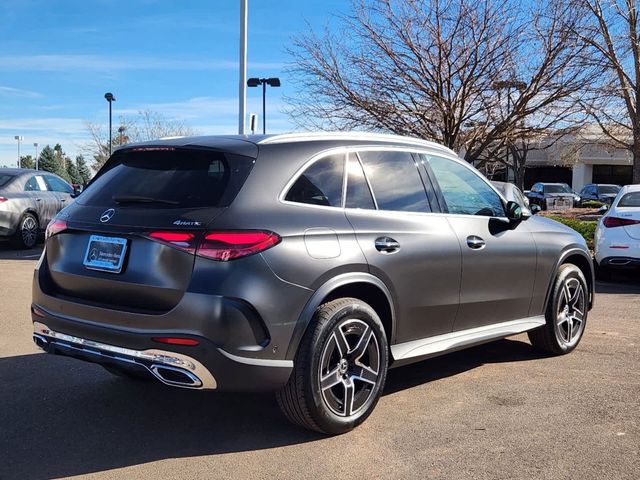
point(175, 376)
point(40, 341)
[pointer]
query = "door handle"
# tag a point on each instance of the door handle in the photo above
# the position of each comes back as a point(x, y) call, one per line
point(387, 245)
point(475, 242)
point(38, 199)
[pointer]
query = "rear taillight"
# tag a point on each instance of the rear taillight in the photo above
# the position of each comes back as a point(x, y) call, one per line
point(188, 342)
point(221, 246)
point(3, 199)
point(225, 246)
point(55, 227)
point(186, 241)
point(611, 222)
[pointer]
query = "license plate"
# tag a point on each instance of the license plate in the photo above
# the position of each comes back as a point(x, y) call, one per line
point(105, 253)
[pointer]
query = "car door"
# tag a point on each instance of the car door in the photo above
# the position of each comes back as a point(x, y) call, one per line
point(61, 189)
point(536, 195)
point(498, 258)
point(413, 251)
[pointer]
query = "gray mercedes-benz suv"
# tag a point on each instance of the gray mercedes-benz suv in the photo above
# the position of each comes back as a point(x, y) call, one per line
point(307, 264)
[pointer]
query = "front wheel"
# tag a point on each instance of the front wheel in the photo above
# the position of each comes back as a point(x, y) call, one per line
point(340, 368)
point(566, 315)
point(26, 235)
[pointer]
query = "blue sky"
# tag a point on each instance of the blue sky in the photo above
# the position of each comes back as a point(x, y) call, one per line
point(178, 58)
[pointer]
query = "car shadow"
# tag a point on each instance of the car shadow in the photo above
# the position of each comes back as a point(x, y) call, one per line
point(60, 417)
point(9, 252)
point(622, 282)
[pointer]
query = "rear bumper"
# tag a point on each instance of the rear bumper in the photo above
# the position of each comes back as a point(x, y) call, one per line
point(202, 367)
point(620, 262)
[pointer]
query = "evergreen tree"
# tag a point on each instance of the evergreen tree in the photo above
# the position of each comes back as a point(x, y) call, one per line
point(48, 161)
point(27, 161)
point(72, 172)
point(83, 170)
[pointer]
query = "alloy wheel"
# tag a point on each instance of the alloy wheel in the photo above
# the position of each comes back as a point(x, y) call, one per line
point(29, 231)
point(571, 311)
point(349, 367)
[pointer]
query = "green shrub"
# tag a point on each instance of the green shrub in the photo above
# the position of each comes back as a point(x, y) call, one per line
point(591, 204)
point(585, 228)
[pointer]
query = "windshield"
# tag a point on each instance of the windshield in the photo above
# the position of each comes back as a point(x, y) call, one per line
point(609, 189)
point(556, 189)
point(5, 178)
point(630, 200)
point(168, 178)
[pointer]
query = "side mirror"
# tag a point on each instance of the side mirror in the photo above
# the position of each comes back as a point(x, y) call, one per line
point(603, 208)
point(77, 190)
point(514, 212)
point(535, 208)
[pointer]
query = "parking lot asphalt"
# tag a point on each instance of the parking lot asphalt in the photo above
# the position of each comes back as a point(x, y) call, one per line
point(497, 411)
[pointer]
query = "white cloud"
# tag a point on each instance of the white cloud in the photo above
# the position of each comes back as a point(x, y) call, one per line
point(62, 63)
point(18, 92)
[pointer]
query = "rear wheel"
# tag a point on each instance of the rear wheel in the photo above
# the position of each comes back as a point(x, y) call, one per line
point(566, 314)
point(340, 368)
point(26, 235)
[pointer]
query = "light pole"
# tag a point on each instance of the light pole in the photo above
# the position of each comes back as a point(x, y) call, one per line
point(110, 98)
point(272, 82)
point(35, 144)
point(19, 138)
point(242, 77)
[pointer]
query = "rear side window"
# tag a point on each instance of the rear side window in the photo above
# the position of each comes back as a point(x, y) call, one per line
point(171, 178)
point(464, 191)
point(358, 193)
point(320, 183)
point(630, 200)
point(395, 181)
point(32, 185)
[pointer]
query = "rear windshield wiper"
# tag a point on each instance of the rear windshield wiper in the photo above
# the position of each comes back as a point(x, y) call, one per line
point(141, 199)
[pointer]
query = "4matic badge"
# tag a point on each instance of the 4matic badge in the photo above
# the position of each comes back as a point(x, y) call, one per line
point(185, 223)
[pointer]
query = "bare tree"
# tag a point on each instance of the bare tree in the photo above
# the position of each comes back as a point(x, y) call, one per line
point(147, 125)
point(467, 73)
point(613, 35)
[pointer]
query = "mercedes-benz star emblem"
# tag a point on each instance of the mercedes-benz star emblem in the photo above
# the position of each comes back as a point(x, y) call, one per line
point(107, 215)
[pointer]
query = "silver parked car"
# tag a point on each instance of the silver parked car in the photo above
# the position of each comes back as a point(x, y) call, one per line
point(29, 199)
point(307, 264)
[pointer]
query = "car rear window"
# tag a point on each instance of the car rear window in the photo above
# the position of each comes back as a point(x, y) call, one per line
point(630, 200)
point(609, 189)
point(556, 189)
point(5, 178)
point(168, 178)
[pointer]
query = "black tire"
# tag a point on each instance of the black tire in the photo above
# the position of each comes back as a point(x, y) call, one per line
point(26, 235)
point(565, 320)
point(303, 399)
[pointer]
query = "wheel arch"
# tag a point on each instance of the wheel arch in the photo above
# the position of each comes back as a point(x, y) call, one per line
point(582, 260)
point(363, 286)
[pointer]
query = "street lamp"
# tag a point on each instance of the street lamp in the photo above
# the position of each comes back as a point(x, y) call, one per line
point(19, 138)
point(272, 82)
point(35, 144)
point(110, 98)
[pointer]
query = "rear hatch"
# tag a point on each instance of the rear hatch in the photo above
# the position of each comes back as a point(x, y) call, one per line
point(116, 245)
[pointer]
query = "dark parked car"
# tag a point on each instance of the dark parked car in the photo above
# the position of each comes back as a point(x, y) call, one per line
point(553, 196)
point(600, 192)
point(29, 199)
point(307, 264)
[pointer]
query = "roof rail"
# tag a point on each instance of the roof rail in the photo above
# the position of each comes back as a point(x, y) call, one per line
point(378, 137)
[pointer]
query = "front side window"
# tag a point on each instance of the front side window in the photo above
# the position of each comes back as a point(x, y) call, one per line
point(395, 181)
point(320, 183)
point(464, 191)
point(57, 185)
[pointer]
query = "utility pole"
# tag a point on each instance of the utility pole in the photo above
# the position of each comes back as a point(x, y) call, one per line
point(36, 145)
point(242, 80)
